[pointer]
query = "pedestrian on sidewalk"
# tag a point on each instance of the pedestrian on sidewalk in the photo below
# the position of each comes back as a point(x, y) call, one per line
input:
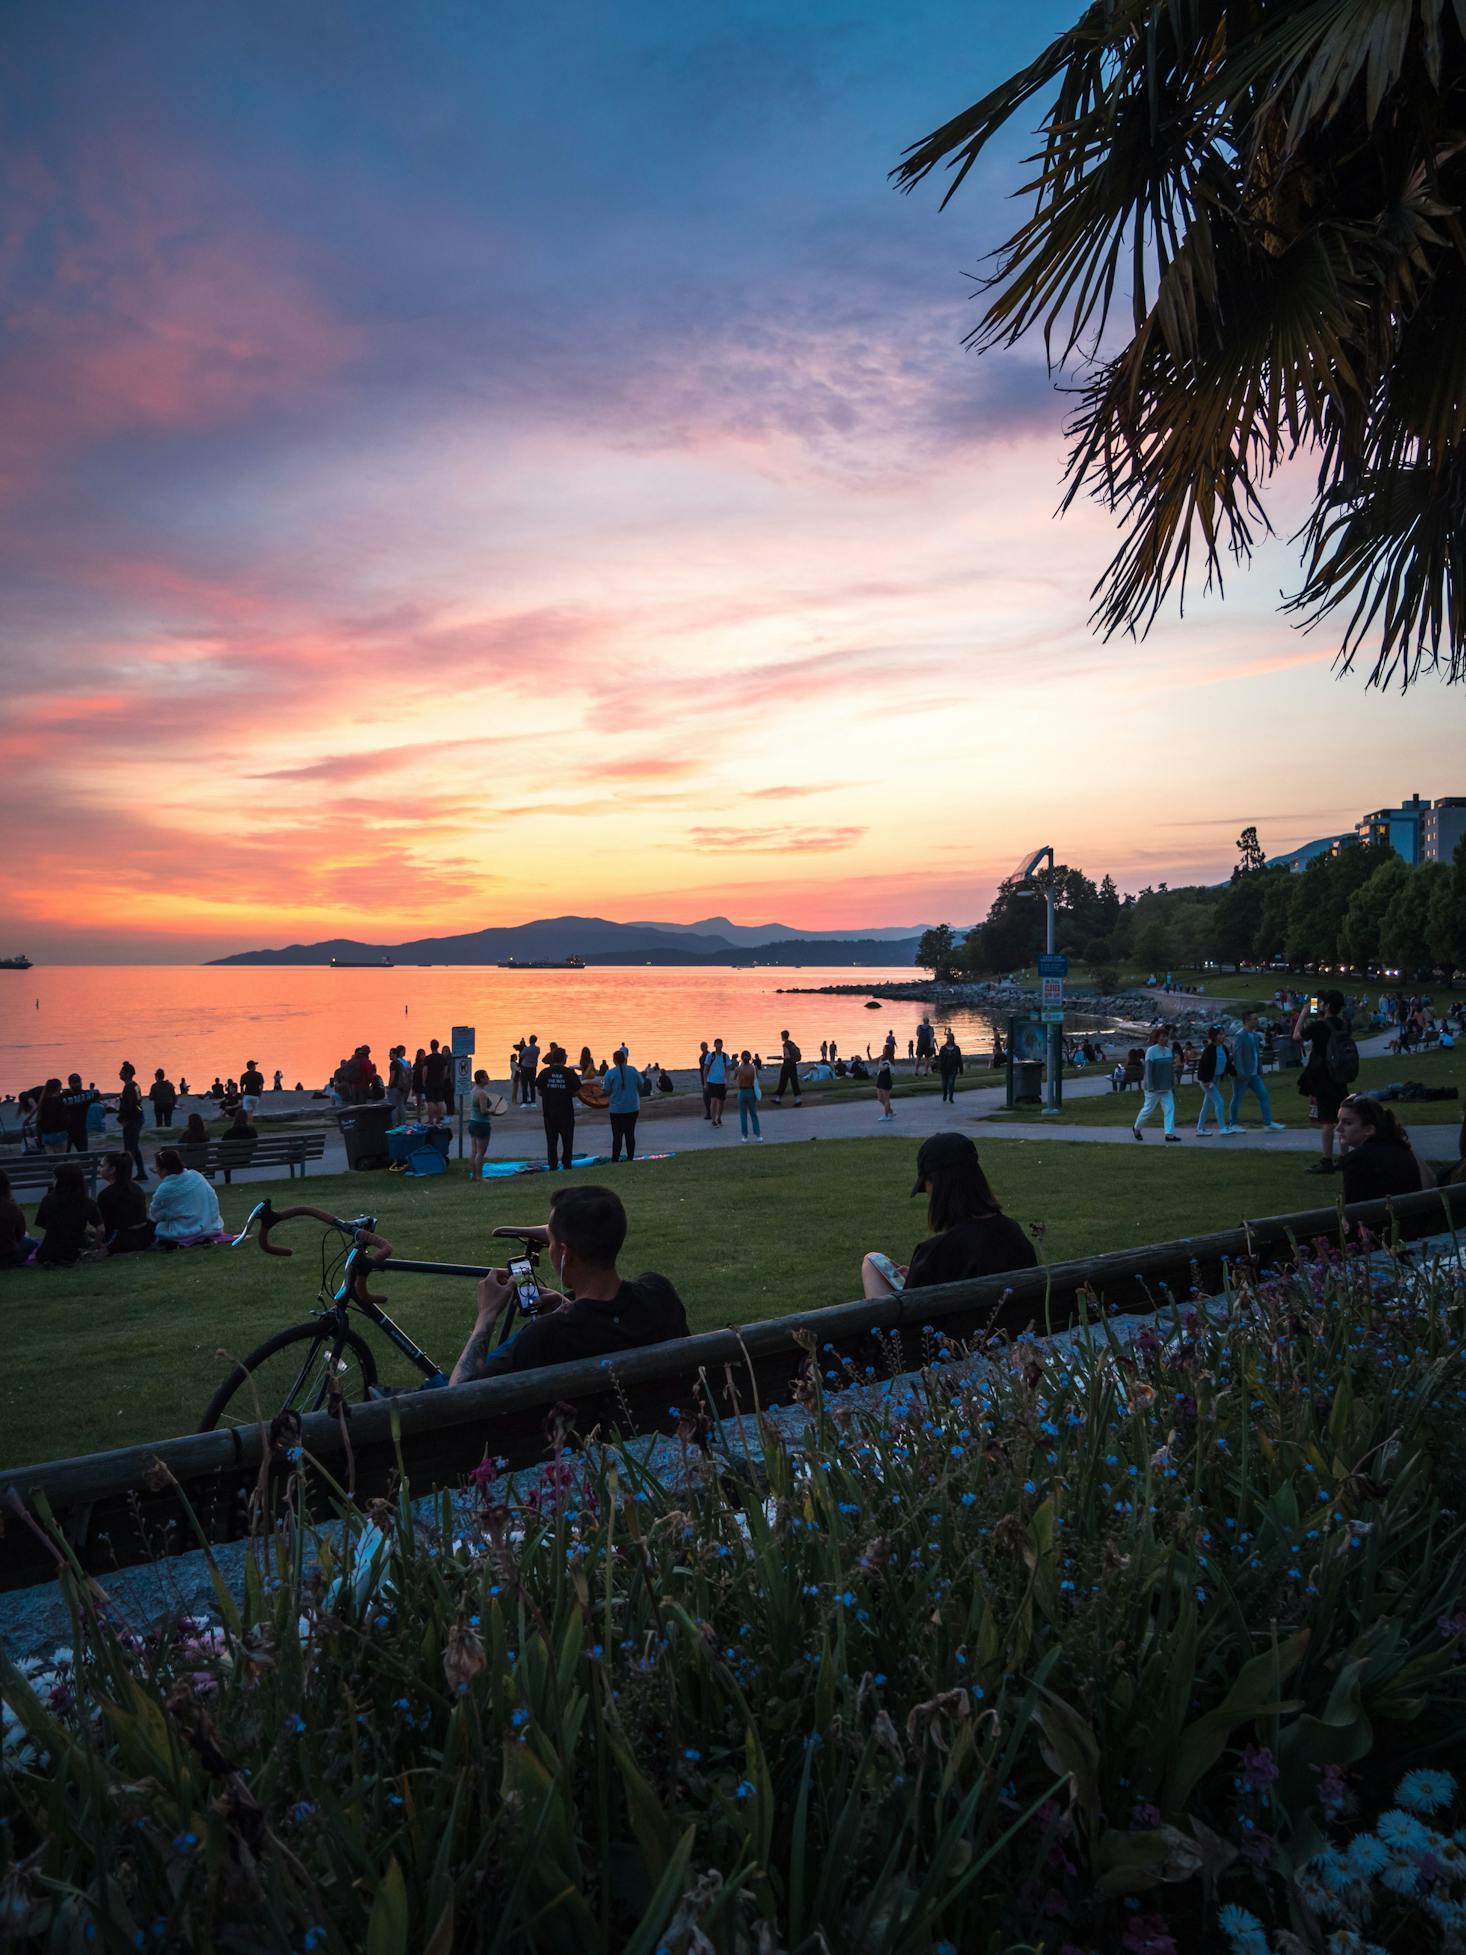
point(1247, 1064)
point(746, 1078)
point(788, 1071)
point(623, 1098)
point(883, 1090)
point(949, 1064)
point(529, 1066)
point(558, 1084)
point(702, 1079)
point(1159, 1082)
point(480, 1123)
point(715, 1082)
point(1332, 1064)
point(1211, 1071)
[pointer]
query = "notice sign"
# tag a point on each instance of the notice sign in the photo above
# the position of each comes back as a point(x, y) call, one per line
point(1051, 994)
point(465, 1040)
point(462, 1072)
point(1053, 964)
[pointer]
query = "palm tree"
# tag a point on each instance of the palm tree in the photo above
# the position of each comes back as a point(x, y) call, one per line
point(1279, 185)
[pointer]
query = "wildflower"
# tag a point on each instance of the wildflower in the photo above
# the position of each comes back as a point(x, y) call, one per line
point(744, 1790)
point(1366, 1855)
point(1243, 1930)
point(1259, 1768)
point(1401, 1829)
point(1426, 1790)
point(185, 1842)
point(692, 1755)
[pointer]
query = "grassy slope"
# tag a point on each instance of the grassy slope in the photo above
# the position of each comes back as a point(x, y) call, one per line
point(125, 1351)
point(1288, 1104)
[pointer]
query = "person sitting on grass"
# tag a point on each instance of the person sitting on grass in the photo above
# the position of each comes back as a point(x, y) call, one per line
point(123, 1208)
point(17, 1245)
point(1378, 1159)
point(970, 1234)
point(185, 1209)
point(596, 1313)
point(70, 1219)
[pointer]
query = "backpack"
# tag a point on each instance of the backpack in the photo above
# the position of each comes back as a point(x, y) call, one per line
point(1342, 1055)
point(794, 1052)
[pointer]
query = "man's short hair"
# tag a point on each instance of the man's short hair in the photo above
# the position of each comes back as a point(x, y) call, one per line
point(591, 1222)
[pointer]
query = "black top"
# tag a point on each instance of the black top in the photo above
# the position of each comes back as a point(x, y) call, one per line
point(1379, 1168)
point(51, 1114)
point(949, 1059)
point(65, 1224)
point(1316, 1065)
point(129, 1101)
point(251, 1080)
point(646, 1310)
point(124, 1212)
point(986, 1246)
point(12, 1232)
point(76, 1100)
point(557, 1087)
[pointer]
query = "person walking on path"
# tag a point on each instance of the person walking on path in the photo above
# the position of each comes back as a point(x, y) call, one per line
point(76, 1100)
point(1211, 1071)
point(1332, 1063)
point(623, 1099)
point(949, 1064)
point(1247, 1062)
point(788, 1071)
point(746, 1078)
point(883, 1089)
point(480, 1123)
point(715, 1082)
point(557, 1085)
point(130, 1118)
point(1159, 1082)
point(529, 1066)
point(252, 1084)
point(926, 1045)
point(703, 1056)
point(164, 1099)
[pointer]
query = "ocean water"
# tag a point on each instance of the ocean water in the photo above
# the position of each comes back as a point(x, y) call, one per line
point(197, 1020)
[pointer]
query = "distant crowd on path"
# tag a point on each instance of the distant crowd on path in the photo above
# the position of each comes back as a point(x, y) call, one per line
point(69, 1118)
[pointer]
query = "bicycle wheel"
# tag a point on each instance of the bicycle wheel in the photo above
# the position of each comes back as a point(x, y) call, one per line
point(291, 1373)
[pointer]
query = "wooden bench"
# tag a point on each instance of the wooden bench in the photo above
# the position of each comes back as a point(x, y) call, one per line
point(290, 1151)
point(35, 1170)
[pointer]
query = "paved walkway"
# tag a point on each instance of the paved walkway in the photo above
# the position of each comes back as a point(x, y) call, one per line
point(518, 1134)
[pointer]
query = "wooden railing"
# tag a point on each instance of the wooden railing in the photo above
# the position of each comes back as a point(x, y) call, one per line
point(129, 1505)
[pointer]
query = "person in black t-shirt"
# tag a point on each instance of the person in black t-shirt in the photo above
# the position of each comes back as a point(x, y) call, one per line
point(76, 1100)
point(130, 1117)
point(971, 1236)
point(70, 1218)
point(1315, 1082)
point(123, 1208)
point(558, 1083)
point(596, 1314)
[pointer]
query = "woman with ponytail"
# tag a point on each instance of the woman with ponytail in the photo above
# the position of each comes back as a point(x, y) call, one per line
point(1378, 1157)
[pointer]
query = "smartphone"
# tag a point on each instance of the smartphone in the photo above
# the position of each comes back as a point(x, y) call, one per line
point(1315, 1006)
point(521, 1275)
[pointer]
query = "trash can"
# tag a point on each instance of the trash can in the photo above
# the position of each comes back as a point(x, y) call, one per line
point(364, 1130)
point(1028, 1082)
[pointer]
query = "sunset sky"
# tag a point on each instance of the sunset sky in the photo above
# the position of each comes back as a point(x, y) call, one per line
point(463, 463)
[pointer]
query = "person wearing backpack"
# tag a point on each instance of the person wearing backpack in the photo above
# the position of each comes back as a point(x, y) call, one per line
point(1330, 1068)
point(788, 1071)
point(1211, 1070)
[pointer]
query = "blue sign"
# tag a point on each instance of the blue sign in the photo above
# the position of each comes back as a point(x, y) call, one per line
point(1053, 964)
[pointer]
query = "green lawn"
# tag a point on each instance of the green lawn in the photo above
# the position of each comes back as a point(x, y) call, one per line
point(128, 1350)
point(1288, 1104)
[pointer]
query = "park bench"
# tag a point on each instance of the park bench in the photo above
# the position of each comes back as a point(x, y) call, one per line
point(28, 1171)
point(290, 1151)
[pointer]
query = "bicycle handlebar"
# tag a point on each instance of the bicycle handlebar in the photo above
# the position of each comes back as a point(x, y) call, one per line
point(270, 1217)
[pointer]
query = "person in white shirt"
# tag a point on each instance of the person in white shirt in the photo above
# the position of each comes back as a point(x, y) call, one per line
point(1159, 1083)
point(184, 1209)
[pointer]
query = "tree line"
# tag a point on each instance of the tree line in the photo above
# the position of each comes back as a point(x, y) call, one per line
point(1365, 907)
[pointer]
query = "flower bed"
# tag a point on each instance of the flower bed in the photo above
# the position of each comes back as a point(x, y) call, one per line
point(1086, 1649)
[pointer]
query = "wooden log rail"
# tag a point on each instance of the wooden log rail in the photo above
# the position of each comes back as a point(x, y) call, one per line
point(122, 1507)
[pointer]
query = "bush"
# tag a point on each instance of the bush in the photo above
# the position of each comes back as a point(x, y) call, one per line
point(1061, 1648)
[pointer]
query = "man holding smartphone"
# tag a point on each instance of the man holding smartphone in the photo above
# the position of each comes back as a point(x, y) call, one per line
point(595, 1313)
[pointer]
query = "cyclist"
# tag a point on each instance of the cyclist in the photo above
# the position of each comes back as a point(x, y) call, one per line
point(597, 1313)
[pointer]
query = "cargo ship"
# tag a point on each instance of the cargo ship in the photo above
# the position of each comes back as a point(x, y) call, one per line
point(361, 963)
point(15, 963)
point(542, 964)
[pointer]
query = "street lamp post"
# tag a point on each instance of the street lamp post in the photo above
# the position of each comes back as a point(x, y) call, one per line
point(1026, 886)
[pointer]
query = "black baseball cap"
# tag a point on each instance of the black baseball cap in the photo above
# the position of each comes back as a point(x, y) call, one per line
point(942, 1151)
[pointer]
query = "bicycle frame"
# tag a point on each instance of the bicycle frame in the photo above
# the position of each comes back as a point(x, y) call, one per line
point(370, 1252)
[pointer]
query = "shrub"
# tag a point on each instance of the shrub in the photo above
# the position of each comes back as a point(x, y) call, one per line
point(1053, 1649)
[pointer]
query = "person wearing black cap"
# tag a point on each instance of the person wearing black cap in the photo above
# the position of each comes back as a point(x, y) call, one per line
point(970, 1234)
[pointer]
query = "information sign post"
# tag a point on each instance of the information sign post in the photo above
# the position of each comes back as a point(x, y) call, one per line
point(1053, 968)
point(462, 1079)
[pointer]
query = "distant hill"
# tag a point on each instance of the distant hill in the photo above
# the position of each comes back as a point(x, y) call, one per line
point(600, 941)
point(774, 933)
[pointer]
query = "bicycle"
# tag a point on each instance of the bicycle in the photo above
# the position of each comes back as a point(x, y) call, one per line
point(304, 1366)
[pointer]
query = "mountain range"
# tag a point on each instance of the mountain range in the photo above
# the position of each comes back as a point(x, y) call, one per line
point(600, 941)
